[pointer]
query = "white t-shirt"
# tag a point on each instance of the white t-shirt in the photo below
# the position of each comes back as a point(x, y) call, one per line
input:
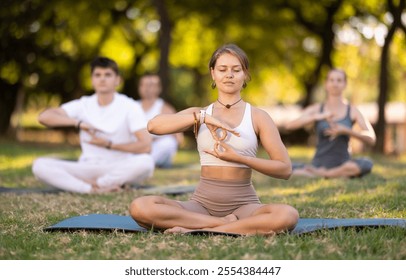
point(155, 110)
point(116, 122)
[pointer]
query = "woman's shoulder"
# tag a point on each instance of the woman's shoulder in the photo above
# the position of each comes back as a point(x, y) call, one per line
point(192, 109)
point(314, 108)
point(355, 112)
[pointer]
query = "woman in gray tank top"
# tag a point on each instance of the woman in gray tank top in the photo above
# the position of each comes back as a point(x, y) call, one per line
point(334, 121)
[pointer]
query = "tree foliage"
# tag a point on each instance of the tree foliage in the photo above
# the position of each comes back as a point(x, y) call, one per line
point(46, 47)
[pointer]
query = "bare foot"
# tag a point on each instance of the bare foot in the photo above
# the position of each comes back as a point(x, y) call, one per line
point(316, 171)
point(98, 189)
point(303, 172)
point(177, 230)
point(230, 218)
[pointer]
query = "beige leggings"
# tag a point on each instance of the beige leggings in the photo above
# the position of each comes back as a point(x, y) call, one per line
point(223, 197)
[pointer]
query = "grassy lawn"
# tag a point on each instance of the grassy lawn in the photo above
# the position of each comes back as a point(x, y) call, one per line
point(22, 217)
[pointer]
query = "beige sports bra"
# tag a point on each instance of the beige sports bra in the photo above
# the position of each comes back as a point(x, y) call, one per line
point(246, 144)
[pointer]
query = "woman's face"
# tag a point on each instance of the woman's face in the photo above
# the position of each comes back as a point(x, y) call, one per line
point(335, 83)
point(228, 73)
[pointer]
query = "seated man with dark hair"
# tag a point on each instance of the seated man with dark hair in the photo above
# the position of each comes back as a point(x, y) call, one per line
point(113, 136)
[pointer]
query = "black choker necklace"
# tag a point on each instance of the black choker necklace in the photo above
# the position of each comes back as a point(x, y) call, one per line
point(228, 106)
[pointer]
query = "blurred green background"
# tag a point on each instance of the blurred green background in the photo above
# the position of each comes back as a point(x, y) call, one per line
point(46, 47)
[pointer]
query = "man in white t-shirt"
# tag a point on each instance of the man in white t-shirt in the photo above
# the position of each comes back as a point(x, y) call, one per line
point(164, 147)
point(113, 136)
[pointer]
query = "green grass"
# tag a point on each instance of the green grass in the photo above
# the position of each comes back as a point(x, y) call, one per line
point(22, 217)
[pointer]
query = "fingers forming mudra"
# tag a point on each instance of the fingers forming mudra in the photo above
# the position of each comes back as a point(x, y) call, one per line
point(219, 133)
point(214, 124)
point(222, 151)
point(214, 133)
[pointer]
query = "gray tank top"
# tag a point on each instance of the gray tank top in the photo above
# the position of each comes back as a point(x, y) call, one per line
point(331, 153)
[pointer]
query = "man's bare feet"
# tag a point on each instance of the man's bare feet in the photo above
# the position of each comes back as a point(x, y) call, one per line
point(98, 189)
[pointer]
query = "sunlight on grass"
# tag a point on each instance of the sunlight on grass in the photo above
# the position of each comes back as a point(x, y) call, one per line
point(303, 188)
point(402, 158)
point(381, 194)
point(388, 171)
point(300, 152)
point(16, 162)
point(24, 161)
point(361, 196)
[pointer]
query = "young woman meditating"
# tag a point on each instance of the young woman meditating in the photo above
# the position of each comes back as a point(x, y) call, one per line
point(228, 132)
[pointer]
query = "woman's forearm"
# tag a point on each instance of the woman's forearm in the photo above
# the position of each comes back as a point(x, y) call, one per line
point(275, 168)
point(300, 122)
point(364, 136)
point(173, 123)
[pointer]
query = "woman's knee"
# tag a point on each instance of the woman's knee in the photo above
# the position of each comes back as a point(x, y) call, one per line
point(291, 216)
point(364, 165)
point(287, 215)
point(142, 208)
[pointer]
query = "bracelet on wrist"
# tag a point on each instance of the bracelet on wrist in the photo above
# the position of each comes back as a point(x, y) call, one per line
point(202, 116)
point(109, 145)
point(195, 125)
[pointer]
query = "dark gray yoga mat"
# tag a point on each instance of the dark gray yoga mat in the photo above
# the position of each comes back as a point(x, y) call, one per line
point(127, 224)
point(29, 190)
point(168, 190)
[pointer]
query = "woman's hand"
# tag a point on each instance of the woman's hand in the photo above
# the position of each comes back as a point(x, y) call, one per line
point(215, 132)
point(213, 124)
point(335, 130)
point(224, 152)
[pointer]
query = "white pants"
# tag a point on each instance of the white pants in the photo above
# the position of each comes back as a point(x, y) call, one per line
point(77, 176)
point(163, 149)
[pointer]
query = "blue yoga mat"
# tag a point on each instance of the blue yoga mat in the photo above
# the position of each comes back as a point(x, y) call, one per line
point(98, 222)
point(127, 224)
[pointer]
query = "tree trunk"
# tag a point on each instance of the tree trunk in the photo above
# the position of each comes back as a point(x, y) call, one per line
point(15, 118)
point(327, 36)
point(324, 60)
point(8, 100)
point(383, 95)
point(384, 75)
point(164, 45)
